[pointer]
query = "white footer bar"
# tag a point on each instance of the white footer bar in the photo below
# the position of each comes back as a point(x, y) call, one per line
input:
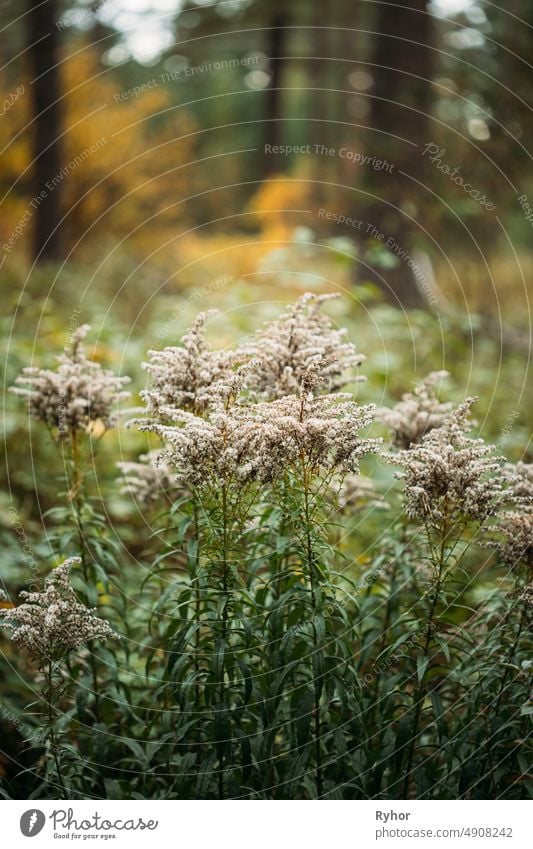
point(268, 825)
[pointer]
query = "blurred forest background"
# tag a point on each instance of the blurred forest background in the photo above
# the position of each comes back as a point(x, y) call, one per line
point(158, 158)
point(178, 101)
point(162, 157)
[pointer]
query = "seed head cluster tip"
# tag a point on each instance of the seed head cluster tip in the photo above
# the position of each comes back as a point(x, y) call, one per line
point(149, 480)
point(303, 336)
point(190, 376)
point(52, 623)
point(75, 395)
point(515, 526)
point(449, 475)
point(417, 413)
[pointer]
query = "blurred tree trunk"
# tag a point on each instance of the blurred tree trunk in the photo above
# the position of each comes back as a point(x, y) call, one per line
point(273, 107)
point(43, 54)
point(403, 64)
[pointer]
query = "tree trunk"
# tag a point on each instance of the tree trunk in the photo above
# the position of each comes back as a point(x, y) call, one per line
point(273, 114)
point(403, 62)
point(43, 53)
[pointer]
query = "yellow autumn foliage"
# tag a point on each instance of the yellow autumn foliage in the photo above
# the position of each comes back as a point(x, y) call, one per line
point(124, 172)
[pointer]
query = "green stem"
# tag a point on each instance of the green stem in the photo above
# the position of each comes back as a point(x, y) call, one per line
point(197, 614)
point(53, 746)
point(421, 691)
point(225, 593)
point(503, 685)
point(312, 581)
point(386, 622)
point(77, 498)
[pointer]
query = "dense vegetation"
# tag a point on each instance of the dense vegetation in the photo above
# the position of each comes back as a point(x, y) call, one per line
point(298, 594)
point(239, 559)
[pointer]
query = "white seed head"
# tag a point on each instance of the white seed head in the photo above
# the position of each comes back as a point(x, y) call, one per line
point(78, 393)
point(261, 441)
point(151, 480)
point(417, 413)
point(516, 545)
point(301, 337)
point(52, 623)
point(189, 376)
point(519, 478)
point(449, 475)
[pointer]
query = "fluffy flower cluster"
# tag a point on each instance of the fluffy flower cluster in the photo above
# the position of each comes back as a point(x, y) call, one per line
point(187, 377)
point(74, 396)
point(288, 346)
point(215, 445)
point(224, 448)
point(517, 545)
point(526, 597)
point(211, 429)
point(323, 431)
point(356, 492)
point(450, 476)
point(515, 527)
point(53, 623)
point(261, 441)
point(417, 413)
point(519, 477)
point(149, 480)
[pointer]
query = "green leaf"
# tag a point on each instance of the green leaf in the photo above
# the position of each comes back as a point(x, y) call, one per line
point(421, 666)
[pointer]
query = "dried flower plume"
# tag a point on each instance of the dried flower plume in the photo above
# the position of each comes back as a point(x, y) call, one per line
point(417, 413)
point(74, 396)
point(519, 477)
point(324, 431)
point(150, 480)
point(188, 376)
point(516, 547)
point(288, 346)
point(52, 623)
point(516, 528)
point(450, 476)
point(213, 445)
point(244, 442)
